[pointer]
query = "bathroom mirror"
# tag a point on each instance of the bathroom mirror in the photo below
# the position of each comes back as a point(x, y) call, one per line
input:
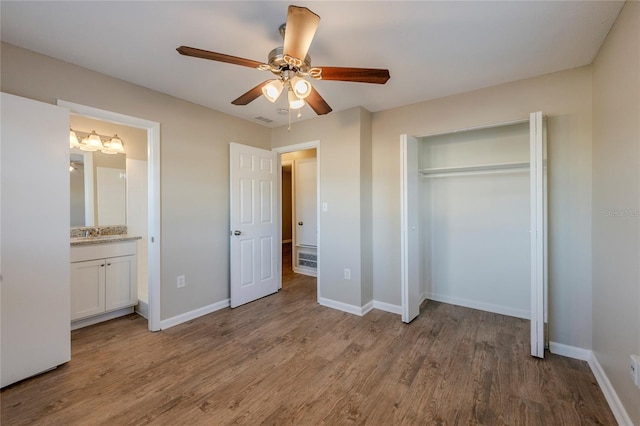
point(98, 188)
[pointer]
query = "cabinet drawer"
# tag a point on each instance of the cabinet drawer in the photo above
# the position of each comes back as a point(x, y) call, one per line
point(101, 251)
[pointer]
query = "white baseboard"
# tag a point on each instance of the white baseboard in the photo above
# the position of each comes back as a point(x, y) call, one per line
point(473, 304)
point(607, 389)
point(387, 307)
point(345, 307)
point(142, 309)
point(360, 311)
point(100, 318)
point(368, 307)
point(305, 271)
point(570, 351)
point(609, 392)
point(188, 316)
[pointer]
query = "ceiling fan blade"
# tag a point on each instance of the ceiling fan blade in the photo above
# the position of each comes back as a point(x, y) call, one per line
point(317, 103)
point(215, 56)
point(251, 95)
point(358, 75)
point(300, 28)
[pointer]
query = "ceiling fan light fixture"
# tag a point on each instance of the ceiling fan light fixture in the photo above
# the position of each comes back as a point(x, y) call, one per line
point(294, 101)
point(272, 90)
point(301, 87)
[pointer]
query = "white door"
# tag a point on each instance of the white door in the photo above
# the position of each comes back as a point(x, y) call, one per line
point(538, 227)
point(306, 202)
point(410, 249)
point(35, 324)
point(255, 243)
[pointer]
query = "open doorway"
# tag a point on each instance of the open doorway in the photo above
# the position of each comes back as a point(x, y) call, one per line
point(143, 198)
point(299, 213)
point(111, 190)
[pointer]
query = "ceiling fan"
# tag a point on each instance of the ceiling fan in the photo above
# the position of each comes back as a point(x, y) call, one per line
point(291, 64)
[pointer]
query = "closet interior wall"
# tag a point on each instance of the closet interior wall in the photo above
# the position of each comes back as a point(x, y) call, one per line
point(474, 219)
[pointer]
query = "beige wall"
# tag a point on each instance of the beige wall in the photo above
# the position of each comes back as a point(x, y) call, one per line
point(298, 155)
point(366, 199)
point(616, 203)
point(339, 134)
point(194, 167)
point(565, 97)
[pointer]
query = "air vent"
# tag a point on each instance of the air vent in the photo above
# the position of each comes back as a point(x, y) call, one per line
point(263, 119)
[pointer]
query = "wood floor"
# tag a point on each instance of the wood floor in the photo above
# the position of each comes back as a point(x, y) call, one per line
point(285, 360)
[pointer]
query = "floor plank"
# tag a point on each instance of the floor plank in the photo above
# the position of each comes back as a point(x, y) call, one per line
point(286, 360)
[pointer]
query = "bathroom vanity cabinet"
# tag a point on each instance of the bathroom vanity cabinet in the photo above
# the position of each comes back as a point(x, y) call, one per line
point(103, 281)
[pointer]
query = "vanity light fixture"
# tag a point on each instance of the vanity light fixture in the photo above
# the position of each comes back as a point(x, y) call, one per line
point(73, 139)
point(93, 142)
point(113, 146)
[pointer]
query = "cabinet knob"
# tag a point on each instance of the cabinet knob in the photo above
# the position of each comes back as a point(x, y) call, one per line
point(102, 265)
point(108, 264)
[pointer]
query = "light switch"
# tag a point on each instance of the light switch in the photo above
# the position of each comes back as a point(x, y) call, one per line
point(325, 207)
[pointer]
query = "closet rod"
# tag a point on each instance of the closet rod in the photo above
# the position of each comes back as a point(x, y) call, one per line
point(475, 172)
point(485, 126)
point(476, 169)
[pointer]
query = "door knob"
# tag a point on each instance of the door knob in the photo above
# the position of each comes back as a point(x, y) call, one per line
point(300, 223)
point(236, 232)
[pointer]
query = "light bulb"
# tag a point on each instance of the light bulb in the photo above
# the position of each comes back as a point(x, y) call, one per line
point(272, 90)
point(294, 101)
point(301, 87)
point(114, 146)
point(86, 146)
point(73, 139)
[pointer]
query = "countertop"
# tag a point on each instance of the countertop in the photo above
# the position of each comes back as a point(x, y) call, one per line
point(104, 239)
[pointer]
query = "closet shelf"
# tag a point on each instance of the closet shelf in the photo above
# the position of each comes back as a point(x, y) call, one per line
point(483, 168)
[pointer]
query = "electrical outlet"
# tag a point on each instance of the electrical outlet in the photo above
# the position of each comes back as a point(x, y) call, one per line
point(347, 273)
point(181, 282)
point(635, 369)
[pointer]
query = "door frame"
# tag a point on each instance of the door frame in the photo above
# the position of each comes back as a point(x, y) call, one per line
point(409, 235)
point(292, 148)
point(153, 176)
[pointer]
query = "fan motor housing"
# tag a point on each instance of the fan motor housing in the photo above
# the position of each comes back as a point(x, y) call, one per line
point(280, 62)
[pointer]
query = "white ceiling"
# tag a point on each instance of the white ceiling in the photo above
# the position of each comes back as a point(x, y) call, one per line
point(432, 48)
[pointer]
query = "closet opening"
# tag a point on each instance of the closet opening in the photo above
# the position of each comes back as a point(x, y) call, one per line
point(474, 221)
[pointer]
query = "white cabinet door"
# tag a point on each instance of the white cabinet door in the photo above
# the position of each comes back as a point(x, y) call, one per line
point(306, 223)
point(121, 288)
point(87, 288)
